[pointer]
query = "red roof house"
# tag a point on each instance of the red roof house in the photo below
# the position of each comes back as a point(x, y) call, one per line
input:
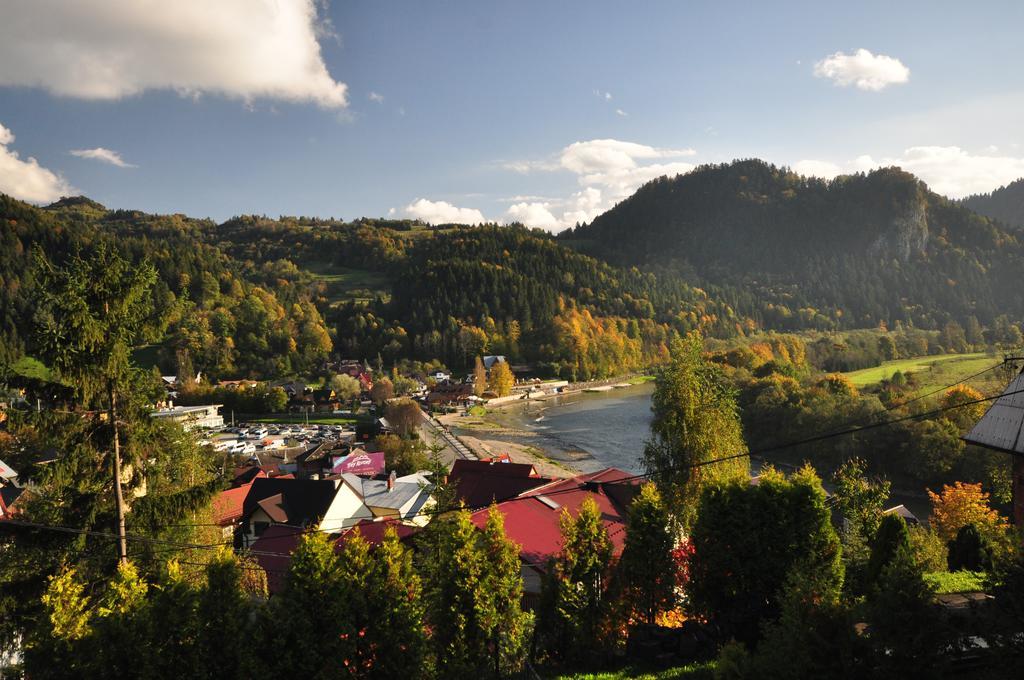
point(532, 519)
point(479, 483)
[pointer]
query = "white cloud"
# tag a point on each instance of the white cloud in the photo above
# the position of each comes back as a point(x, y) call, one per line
point(376, 97)
point(533, 215)
point(102, 155)
point(620, 112)
point(947, 170)
point(441, 212)
point(811, 168)
point(607, 96)
point(26, 179)
point(862, 69)
point(608, 170)
point(108, 49)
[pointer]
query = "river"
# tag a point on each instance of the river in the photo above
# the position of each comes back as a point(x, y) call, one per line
point(589, 430)
point(595, 430)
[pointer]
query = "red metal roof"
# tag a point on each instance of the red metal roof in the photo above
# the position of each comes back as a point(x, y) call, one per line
point(532, 518)
point(478, 483)
point(373, 531)
point(227, 505)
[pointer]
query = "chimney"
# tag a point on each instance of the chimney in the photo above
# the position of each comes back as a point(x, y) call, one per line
point(391, 480)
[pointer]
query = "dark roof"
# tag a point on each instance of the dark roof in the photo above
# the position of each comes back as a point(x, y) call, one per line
point(479, 484)
point(302, 501)
point(1002, 426)
point(244, 475)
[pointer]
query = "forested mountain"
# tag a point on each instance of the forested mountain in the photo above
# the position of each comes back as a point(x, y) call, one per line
point(726, 250)
point(266, 298)
point(857, 251)
point(1005, 204)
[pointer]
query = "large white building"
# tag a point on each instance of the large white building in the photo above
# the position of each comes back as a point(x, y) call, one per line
point(192, 417)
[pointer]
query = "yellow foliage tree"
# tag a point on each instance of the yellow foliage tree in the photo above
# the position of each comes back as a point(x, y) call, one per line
point(962, 504)
point(502, 379)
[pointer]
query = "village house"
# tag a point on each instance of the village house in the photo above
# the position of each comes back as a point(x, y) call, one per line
point(406, 498)
point(533, 519)
point(328, 505)
point(479, 483)
point(192, 417)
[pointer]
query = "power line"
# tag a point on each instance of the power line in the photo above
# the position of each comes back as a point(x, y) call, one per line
point(531, 494)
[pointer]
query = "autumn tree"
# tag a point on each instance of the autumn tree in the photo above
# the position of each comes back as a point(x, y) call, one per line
point(647, 569)
point(345, 387)
point(404, 416)
point(502, 379)
point(479, 377)
point(962, 504)
point(382, 390)
point(696, 423)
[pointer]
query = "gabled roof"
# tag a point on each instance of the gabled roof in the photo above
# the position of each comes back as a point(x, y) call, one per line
point(478, 484)
point(532, 518)
point(302, 502)
point(1002, 426)
point(227, 505)
point(377, 495)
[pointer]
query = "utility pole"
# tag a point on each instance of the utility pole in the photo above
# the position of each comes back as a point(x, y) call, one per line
point(122, 540)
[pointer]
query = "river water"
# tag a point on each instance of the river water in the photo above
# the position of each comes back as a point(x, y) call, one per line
point(590, 430)
point(595, 430)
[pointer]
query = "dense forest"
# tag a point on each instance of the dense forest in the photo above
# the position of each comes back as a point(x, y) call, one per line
point(1005, 204)
point(795, 252)
point(727, 250)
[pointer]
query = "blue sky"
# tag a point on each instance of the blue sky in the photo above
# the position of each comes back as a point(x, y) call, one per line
point(547, 112)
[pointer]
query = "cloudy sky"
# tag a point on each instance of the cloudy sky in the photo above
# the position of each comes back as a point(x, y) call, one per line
point(546, 113)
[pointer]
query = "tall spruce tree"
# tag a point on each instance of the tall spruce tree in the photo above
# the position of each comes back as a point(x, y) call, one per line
point(396, 603)
point(647, 570)
point(576, 606)
point(90, 315)
point(503, 616)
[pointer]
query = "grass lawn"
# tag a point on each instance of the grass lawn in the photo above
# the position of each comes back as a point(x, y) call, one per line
point(314, 419)
point(693, 671)
point(931, 372)
point(956, 582)
point(345, 283)
point(641, 379)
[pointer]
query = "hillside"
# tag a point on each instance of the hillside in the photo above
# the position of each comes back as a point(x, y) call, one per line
point(858, 251)
point(259, 297)
point(1005, 204)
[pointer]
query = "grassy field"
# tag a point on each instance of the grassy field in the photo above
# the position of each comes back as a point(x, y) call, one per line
point(931, 372)
point(344, 283)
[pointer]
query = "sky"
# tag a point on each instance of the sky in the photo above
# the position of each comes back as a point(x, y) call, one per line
point(542, 112)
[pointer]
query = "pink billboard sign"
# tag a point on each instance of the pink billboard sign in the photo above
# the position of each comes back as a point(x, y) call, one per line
point(361, 464)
